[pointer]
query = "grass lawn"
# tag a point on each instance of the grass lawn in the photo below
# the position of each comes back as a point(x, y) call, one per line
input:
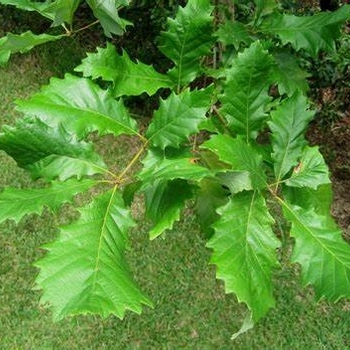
point(191, 310)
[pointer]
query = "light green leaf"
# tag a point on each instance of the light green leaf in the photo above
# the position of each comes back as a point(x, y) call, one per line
point(178, 117)
point(158, 165)
point(320, 250)
point(106, 11)
point(288, 75)
point(245, 93)
point(312, 33)
point(244, 251)
point(128, 77)
point(16, 203)
point(188, 39)
point(311, 171)
point(80, 106)
point(85, 270)
point(13, 43)
point(241, 156)
point(49, 152)
point(164, 202)
point(288, 124)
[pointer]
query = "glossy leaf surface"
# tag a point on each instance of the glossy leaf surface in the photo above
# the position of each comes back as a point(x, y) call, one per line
point(89, 257)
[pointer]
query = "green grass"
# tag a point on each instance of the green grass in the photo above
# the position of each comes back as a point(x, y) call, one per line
point(190, 311)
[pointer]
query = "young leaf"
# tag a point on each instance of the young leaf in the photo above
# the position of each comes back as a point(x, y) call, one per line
point(159, 166)
point(49, 153)
point(240, 155)
point(244, 251)
point(16, 203)
point(128, 77)
point(312, 33)
point(288, 123)
point(85, 270)
point(80, 106)
point(13, 43)
point(312, 170)
point(320, 250)
point(245, 93)
point(188, 39)
point(164, 202)
point(106, 11)
point(178, 117)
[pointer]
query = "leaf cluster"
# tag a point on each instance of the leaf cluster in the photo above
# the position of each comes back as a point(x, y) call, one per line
point(229, 87)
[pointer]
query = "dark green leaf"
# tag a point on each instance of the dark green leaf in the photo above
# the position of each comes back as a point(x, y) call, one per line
point(312, 33)
point(188, 39)
point(49, 153)
point(288, 75)
point(164, 202)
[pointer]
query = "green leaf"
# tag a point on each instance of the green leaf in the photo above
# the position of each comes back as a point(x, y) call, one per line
point(311, 171)
point(234, 33)
point(241, 156)
point(245, 93)
point(89, 258)
point(16, 203)
point(49, 152)
point(320, 250)
point(244, 251)
point(320, 200)
point(188, 39)
point(288, 124)
point(210, 196)
point(27, 5)
point(13, 43)
point(80, 106)
point(128, 77)
point(265, 7)
point(235, 181)
point(288, 75)
point(164, 202)
point(157, 165)
point(312, 33)
point(106, 11)
point(178, 117)
point(63, 11)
